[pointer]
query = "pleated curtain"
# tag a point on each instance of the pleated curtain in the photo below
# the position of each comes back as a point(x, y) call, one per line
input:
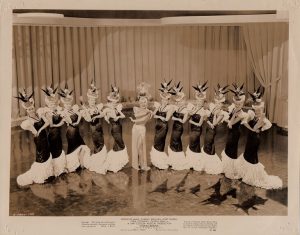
point(126, 56)
point(267, 48)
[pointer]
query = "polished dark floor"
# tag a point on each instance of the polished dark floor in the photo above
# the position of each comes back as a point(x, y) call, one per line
point(156, 192)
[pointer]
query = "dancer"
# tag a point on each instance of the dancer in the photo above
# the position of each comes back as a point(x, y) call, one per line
point(77, 149)
point(236, 115)
point(117, 157)
point(52, 112)
point(162, 113)
point(142, 115)
point(251, 170)
point(35, 122)
point(93, 113)
point(177, 159)
point(198, 115)
point(212, 162)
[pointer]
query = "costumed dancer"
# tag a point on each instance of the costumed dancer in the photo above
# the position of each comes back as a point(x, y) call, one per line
point(117, 157)
point(35, 122)
point(93, 113)
point(162, 113)
point(52, 112)
point(212, 162)
point(198, 115)
point(142, 115)
point(236, 116)
point(251, 170)
point(77, 149)
point(177, 159)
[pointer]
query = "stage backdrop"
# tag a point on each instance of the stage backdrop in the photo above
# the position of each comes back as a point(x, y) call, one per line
point(126, 56)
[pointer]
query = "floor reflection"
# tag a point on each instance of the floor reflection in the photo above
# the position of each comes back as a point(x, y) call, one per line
point(155, 192)
point(134, 192)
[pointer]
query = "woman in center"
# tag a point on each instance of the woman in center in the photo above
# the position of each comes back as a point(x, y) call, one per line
point(177, 159)
point(117, 157)
point(212, 162)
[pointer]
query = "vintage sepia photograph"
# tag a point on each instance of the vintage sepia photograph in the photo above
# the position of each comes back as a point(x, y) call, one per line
point(160, 116)
point(149, 113)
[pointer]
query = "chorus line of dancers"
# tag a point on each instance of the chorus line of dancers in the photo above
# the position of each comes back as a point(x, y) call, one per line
point(45, 124)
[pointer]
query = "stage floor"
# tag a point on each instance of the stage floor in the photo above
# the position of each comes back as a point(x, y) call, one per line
point(156, 192)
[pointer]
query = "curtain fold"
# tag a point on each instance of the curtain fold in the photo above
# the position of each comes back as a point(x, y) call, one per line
point(267, 49)
point(126, 56)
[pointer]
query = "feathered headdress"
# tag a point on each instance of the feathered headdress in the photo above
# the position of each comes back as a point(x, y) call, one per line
point(177, 89)
point(65, 93)
point(177, 92)
point(220, 93)
point(257, 94)
point(201, 88)
point(256, 97)
point(27, 100)
point(50, 91)
point(92, 91)
point(114, 95)
point(239, 95)
point(165, 87)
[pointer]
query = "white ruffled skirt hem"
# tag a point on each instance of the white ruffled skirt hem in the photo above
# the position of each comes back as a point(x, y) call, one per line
point(255, 175)
point(159, 159)
point(116, 160)
point(59, 164)
point(76, 158)
point(230, 166)
point(212, 163)
point(38, 173)
point(97, 162)
point(195, 160)
point(177, 160)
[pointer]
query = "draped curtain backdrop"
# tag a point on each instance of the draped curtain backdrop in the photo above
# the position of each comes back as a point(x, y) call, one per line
point(126, 56)
point(267, 48)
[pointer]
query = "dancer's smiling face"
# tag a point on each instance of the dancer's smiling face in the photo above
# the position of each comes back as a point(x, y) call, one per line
point(143, 102)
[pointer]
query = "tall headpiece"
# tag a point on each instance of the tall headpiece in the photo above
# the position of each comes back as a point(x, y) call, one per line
point(66, 95)
point(143, 91)
point(201, 90)
point(165, 89)
point(239, 95)
point(50, 95)
point(114, 95)
point(177, 91)
point(27, 100)
point(92, 91)
point(256, 97)
point(220, 93)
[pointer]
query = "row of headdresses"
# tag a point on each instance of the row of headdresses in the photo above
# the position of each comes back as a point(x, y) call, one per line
point(246, 166)
point(50, 154)
point(45, 124)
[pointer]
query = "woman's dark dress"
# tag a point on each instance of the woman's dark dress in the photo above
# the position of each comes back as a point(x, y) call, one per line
point(116, 132)
point(161, 130)
point(209, 140)
point(252, 144)
point(54, 137)
point(97, 134)
point(73, 135)
point(195, 134)
point(177, 130)
point(233, 137)
point(41, 143)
